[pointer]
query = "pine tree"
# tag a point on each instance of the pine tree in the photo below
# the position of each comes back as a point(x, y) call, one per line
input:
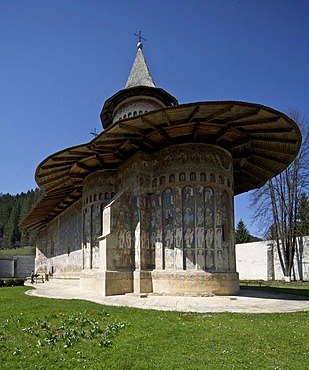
point(303, 215)
point(242, 234)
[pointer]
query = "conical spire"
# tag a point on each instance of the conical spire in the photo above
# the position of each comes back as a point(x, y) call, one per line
point(139, 75)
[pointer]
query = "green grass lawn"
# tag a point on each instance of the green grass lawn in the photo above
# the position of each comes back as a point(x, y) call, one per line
point(39, 333)
point(25, 251)
point(299, 288)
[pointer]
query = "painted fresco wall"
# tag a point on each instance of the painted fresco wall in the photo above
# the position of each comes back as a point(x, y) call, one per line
point(191, 209)
point(172, 210)
point(59, 250)
point(176, 211)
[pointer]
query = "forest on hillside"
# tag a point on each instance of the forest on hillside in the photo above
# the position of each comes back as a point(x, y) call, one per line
point(13, 208)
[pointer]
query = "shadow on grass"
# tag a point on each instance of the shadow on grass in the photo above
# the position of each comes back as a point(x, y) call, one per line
point(268, 292)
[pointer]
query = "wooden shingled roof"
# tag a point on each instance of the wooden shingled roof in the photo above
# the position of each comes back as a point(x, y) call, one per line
point(262, 141)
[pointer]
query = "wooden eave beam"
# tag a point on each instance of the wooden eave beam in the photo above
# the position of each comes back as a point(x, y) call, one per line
point(165, 115)
point(55, 165)
point(241, 116)
point(218, 113)
point(192, 114)
point(275, 140)
point(53, 172)
point(262, 121)
point(268, 157)
point(269, 130)
point(263, 170)
point(79, 153)
point(142, 145)
point(164, 134)
point(195, 130)
point(134, 130)
point(52, 181)
point(100, 159)
point(122, 136)
point(84, 166)
point(147, 121)
point(238, 143)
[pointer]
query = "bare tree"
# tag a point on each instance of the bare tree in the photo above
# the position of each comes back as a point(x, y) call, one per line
point(276, 203)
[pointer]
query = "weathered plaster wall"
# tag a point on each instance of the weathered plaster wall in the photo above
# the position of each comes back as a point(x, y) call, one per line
point(59, 250)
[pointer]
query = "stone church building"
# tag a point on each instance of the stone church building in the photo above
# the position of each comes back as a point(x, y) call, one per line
point(147, 205)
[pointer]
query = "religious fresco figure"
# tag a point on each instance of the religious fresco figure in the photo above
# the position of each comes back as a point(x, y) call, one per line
point(225, 204)
point(219, 260)
point(178, 217)
point(200, 259)
point(152, 239)
point(169, 239)
point(168, 217)
point(188, 194)
point(172, 178)
point(209, 238)
point(208, 217)
point(177, 195)
point(121, 238)
point(209, 197)
point(209, 259)
point(128, 220)
point(158, 198)
point(225, 260)
point(199, 194)
point(159, 236)
point(219, 218)
point(219, 238)
point(200, 238)
point(153, 220)
point(199, 216)
point(189, 237)
point(188, 216)
point(168, 196)
point(120, 221)
point(158, 218)
point(128, 239)
point(178, 237)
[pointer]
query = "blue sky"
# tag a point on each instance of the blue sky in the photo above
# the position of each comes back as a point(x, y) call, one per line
point(61, 59)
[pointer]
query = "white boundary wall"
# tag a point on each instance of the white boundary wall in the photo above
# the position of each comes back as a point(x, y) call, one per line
point(260, 261)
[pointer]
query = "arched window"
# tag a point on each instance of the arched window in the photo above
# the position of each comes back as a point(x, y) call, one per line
point(182, 176)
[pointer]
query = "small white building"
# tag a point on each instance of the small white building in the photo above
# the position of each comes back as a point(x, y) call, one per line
point(260, 261)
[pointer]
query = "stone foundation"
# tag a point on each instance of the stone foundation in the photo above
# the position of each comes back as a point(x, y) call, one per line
point(142, 282)
point(107, 283)
point(194, 283)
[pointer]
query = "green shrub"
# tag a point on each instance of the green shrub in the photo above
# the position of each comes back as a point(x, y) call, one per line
point(12, 282)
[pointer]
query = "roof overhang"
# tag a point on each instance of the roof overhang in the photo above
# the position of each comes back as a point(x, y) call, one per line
point(261, 140)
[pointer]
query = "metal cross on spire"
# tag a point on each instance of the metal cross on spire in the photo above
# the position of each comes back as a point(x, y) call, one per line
point(140, 39)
